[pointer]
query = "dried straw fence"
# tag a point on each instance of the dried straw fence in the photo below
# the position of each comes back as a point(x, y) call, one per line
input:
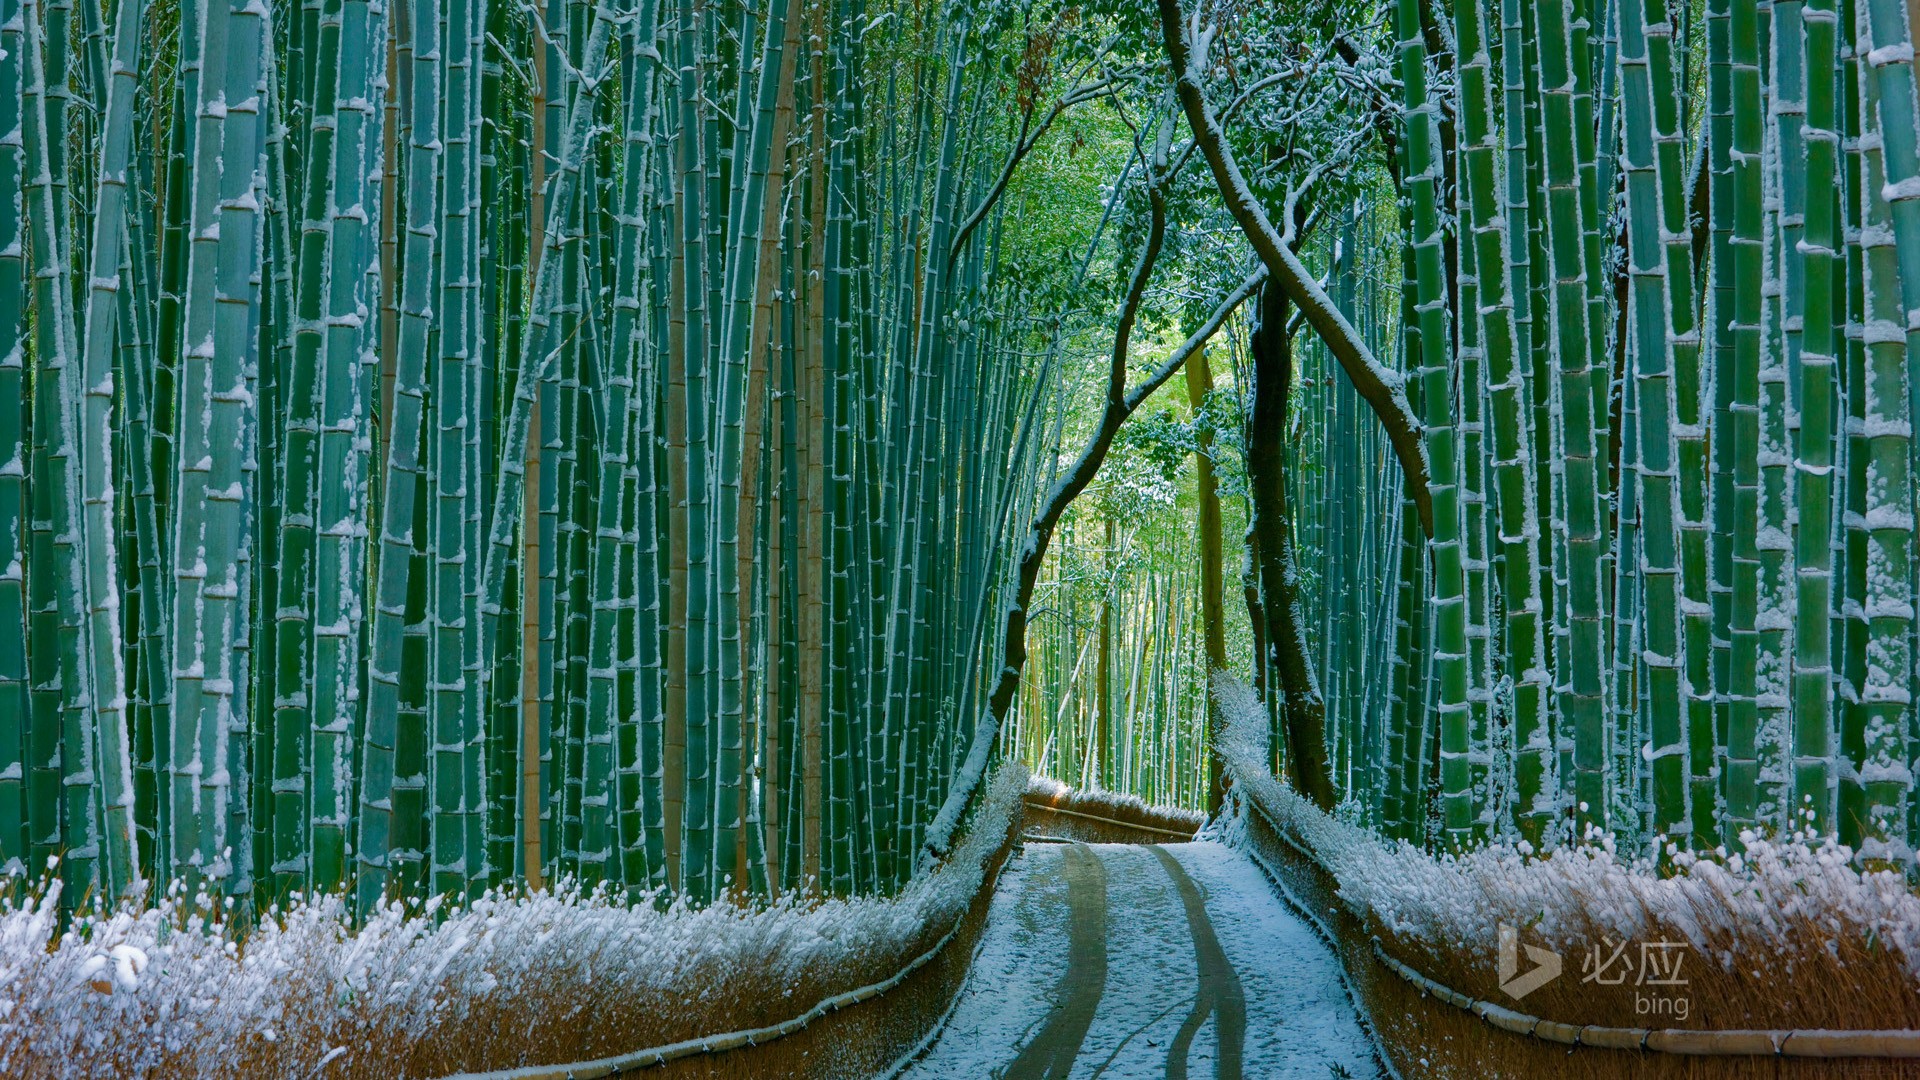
point(1426, 1029)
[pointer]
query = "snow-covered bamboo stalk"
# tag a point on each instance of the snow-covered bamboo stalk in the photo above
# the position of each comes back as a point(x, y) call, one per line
point(1432, 304)
point(1579, 520)
point(66, 815)
point(1875, 716)
point(402, 476)
point(1663, 339)
point(456, 863)
point(1817, 401)
point(14, 714)
point(1517, 473)
point(94, 428)
point(345, 432)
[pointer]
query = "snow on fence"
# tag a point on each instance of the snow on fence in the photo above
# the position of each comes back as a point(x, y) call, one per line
point(1108, 815)
point(1792, 945)
point(509, 981)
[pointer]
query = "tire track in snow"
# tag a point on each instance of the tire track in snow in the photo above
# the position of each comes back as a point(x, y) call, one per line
point(1220, 996)
point(1299, 1022)
point(1051, 1054)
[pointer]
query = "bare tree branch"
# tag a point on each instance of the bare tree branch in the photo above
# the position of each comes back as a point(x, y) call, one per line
point(1383, 390)
point(1121, 403)
point(1022, 146)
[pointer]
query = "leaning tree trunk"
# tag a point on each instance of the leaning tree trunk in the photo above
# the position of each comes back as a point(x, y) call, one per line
point(1383, 390)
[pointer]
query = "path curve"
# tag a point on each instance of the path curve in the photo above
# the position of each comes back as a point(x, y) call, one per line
point(1116, 961)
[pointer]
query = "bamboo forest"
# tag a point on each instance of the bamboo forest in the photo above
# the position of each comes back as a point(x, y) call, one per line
point(1006, 538)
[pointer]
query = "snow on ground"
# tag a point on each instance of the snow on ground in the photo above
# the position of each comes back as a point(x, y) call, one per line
point(1151, 974)
point(1010, 989)
point(1298, 1010)
point(1298, 1023)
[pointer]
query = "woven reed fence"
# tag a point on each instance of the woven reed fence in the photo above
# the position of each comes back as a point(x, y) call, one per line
point(870, 1030)
point(1426, 1029)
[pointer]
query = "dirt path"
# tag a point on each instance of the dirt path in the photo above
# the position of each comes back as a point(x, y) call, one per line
point(1113, 962)
point(1220, 996)
point(1051, 1053)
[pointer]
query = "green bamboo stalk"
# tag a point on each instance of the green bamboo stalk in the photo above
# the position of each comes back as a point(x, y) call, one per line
point(65, 815)
point(1782, 307)
point(234, 338)
point(1875, 721)
point(655, 520)
point(1472, 404)
point(344, 427)
point(624, 493)
point(1519, 28)
point(1628, 792)
point(113, 764)
point(292, 635)
point(1889, 36)
point(563, 462)
point(1596, 205)
point(502, 283)
point(1397, 812)
point(15, 717)
point(1779, 356)
point(195, 754)
point(455, 867)
point(1813, 720)
point(145, 652)
point(1516, 469)
point(1582, 687)
point(1740, 368)
point(1447, 583)
point(477, 456)
point(1664, 339)
point(1720, 370)
point(158, 580)
point(379, 769)
point(1498, 307)
point(1850, 628)
point(264, 514)
point(1687, 301)
point(696, 145)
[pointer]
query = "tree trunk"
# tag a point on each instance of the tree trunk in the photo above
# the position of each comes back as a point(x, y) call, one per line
point(1384, 391)
point(1256, 618)
point(1212, 589)
point(1302, 710)
point(1103, 732)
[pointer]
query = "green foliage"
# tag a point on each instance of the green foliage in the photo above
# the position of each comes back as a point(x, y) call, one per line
point(456, 443)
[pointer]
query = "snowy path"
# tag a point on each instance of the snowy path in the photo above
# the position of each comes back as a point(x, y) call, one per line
point(1116, 961)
